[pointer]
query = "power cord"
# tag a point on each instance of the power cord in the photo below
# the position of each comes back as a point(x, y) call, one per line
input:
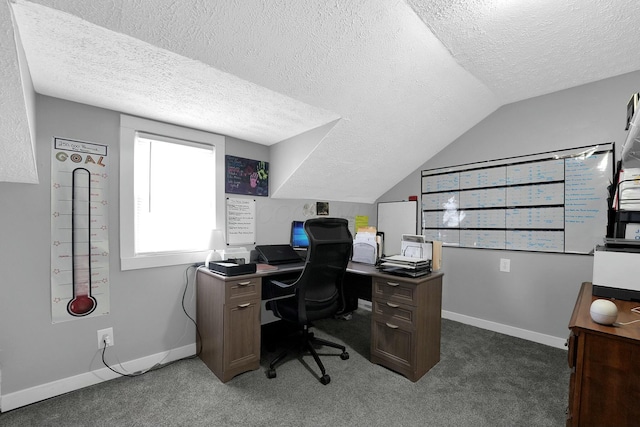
point(635, 310)
point(159, 365)
point(186, 279)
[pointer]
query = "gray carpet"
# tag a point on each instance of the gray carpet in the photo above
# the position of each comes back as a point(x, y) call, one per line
point(483, 379)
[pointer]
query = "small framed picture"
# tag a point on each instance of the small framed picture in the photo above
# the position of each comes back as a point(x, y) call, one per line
point(322, 208)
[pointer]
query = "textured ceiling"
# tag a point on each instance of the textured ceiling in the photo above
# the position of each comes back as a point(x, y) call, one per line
point(521, 49)
point(17, 155)
point(400, 80)
point(72, 59)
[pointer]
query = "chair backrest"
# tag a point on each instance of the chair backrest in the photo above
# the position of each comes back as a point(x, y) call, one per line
point(319, 287)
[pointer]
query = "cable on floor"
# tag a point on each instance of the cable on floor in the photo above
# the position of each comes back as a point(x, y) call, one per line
point(158, 365)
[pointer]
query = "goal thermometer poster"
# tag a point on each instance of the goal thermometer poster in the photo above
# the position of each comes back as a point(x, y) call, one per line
point(79, 230)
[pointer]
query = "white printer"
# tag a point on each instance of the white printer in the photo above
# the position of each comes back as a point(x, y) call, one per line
point(365, 248)
point(616, 273)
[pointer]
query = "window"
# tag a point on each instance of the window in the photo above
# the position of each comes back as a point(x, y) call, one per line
point(171, 193)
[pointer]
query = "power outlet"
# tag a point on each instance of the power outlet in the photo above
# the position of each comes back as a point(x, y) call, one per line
point(505, 265)
point(105, 334)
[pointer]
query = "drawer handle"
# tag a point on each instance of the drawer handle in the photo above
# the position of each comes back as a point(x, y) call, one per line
point(394, 284)
point(392, 326)
point(392, 305)
point(245, 305)
point(248, 282)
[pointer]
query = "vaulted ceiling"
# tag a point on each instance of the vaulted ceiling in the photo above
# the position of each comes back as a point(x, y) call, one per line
point(351, 96)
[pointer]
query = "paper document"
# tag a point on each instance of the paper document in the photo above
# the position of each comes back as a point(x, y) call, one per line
point(393, 264)
point(227, 264)
point(406, 259)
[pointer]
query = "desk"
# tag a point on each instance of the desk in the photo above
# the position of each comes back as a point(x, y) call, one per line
point(405, 319)
point(605, 381)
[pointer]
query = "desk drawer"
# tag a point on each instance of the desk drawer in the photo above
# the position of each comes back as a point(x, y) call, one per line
point(242, 290)
point(393, 312)
point(393, 346)
point(395, 290)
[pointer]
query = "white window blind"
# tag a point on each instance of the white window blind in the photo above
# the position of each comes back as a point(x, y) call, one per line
point(173, 213)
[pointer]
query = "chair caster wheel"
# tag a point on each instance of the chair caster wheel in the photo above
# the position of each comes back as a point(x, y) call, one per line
point(271, 373)
point(326, 379)
point(344, 356)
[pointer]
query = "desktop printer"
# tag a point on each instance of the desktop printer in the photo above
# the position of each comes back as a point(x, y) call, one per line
point(277, 254)
point(367, 247)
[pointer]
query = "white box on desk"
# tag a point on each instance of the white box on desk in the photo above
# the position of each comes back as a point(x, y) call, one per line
point(417, 250)
point(616, 269)
point(234, 253)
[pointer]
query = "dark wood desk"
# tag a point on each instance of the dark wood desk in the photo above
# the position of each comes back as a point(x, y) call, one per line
point(605, 366)
point(405, 320)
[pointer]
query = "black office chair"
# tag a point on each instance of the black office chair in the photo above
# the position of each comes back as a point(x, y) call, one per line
point(318, 290)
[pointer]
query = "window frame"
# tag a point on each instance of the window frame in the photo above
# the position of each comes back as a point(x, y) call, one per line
point(129, 126)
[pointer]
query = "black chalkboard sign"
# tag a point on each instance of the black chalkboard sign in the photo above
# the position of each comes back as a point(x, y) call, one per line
point(246, 176)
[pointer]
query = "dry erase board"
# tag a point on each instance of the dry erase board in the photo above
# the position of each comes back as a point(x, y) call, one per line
point(241, 221)
point(547, 202)
point(394, 220)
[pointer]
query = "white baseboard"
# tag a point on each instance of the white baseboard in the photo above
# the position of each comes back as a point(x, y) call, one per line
point(506, 329)
point(55, 388)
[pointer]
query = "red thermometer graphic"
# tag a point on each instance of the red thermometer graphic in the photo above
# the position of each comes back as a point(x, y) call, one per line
point(82, 302)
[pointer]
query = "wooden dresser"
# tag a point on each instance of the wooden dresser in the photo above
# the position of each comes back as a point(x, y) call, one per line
point(405, 324)
point(604, 387)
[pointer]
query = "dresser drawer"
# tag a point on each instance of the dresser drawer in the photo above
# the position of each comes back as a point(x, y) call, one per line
point(393, 312)
point(393, 345)
point(242, 290)
point(395, 290)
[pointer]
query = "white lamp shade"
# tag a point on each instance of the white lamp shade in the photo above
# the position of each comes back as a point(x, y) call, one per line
point(212, 256)
point(216, 240)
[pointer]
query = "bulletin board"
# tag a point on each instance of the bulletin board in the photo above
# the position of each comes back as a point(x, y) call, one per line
point(546, 202)
point(241, 221)
point(394, 220)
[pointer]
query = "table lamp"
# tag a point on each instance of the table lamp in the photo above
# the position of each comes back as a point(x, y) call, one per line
point(216, 241)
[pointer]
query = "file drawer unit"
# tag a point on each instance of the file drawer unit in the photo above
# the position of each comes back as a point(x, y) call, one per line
point(406, 323)
point(228, 317)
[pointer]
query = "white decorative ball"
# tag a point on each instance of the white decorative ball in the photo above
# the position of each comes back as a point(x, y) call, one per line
point(603, 311)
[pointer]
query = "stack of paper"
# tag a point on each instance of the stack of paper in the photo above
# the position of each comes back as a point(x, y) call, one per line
point(405, 265)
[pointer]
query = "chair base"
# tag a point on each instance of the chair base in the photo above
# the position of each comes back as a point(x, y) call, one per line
point(306, 342)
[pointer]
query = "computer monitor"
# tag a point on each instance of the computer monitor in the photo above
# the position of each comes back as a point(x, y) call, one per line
point(299, 237)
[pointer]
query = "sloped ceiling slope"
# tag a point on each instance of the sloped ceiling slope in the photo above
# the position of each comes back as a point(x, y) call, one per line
point(378, 69)
point(521, 49)
point(17, 155)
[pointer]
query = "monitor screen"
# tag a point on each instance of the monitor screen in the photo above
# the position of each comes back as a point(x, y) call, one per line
point(299, 237)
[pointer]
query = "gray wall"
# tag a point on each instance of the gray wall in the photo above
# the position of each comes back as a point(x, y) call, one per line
point(537, 296)
point(539, 293)
point(146, 313)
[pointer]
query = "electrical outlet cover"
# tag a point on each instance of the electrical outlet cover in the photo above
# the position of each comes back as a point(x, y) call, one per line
point(101, 333)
